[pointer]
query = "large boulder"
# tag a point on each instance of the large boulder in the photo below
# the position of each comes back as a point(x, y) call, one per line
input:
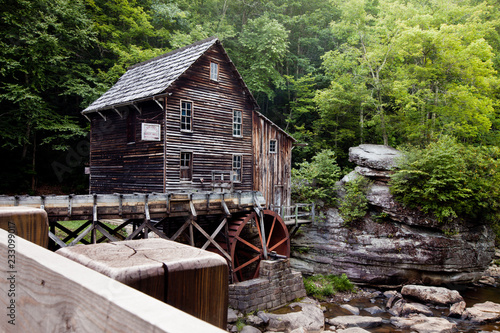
point(423, 324)
point(433, 295)
point(482, 313)
point(355, 321)
point(310, 318)
point(374, 156)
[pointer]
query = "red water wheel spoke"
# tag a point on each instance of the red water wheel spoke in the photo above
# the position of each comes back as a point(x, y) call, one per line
point(246, 242)
point(278, 244)
point(246, 264)
point(271, 233)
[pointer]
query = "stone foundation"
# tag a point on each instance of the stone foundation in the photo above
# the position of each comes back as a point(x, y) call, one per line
point(276, 286)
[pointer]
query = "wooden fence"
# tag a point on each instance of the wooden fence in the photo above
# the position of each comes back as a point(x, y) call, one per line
point(45, 292)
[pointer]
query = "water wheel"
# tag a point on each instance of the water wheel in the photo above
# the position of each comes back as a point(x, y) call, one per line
point(246, 242)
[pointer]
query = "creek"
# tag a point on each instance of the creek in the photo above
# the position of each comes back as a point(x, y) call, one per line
point(471, 295)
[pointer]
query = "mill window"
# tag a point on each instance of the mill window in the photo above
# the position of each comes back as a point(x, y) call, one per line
point(186, 116)
point(186, 166)
point(272, 146)
point(237, 122)
point(237, 168)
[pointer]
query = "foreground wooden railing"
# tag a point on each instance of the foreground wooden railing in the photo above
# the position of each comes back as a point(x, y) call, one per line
point(45, 292)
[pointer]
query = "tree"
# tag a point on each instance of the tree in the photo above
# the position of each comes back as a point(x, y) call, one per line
point(418, 69)
point(42, 59)
point(264, 46)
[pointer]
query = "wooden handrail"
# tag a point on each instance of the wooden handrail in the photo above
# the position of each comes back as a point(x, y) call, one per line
point(51, 293)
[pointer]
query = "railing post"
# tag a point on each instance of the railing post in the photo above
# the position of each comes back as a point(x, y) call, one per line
point(296, 215)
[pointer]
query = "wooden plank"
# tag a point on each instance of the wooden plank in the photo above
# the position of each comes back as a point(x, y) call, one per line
point(55, 294)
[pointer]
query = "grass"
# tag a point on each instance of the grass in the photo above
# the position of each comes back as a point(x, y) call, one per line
point(321, 286)
point(74, 225)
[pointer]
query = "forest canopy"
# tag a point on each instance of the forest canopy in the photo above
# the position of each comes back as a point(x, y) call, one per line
point(332, 73)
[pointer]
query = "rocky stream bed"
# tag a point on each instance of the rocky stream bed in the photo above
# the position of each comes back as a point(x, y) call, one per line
point(412, 308)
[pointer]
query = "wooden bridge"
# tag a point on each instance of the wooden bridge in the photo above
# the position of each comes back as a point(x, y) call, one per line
point(236, 224)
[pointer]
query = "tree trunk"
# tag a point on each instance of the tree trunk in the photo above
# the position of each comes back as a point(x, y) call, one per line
point(33, 165)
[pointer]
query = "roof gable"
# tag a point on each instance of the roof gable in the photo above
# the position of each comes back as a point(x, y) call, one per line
point(150, 78)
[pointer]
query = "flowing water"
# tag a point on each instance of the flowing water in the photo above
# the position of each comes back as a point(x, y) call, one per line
point(471, 295)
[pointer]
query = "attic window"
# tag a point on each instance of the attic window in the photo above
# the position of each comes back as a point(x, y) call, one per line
point(272, 146)
point(186, 116)
point(214, 71)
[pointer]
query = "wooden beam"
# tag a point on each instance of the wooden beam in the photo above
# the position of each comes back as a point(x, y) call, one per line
point(56, 240)
point(204, 233)
point(214, 234)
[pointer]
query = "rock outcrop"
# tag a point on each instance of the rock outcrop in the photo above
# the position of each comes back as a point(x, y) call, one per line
point(391, 245)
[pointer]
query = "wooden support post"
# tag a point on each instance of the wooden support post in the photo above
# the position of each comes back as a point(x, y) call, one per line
point(191, 233)
point(168, 203)
point(224, 206)
point(69, 205)
point(42, 198)
point(120, 204)
point(147, 217)
point(94, 221)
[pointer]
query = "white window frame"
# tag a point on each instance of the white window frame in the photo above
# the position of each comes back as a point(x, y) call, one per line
point(237, 123)
point(184, 117)
point(189, 166)
point(273, 146)
point(237, 165)
point(214, 71)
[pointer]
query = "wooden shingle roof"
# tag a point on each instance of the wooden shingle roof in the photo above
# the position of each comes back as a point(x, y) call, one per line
point(150, 78)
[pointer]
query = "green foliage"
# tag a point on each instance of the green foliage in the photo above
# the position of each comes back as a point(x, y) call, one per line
point(240, 323)
point(315, 181)
point(321, 286)
point(450, 180)
point(264, 43)
point(354, 204)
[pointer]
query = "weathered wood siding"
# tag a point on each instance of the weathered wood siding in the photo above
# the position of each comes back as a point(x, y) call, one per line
point(272, 174)
point(117, 165)
point(211, 141)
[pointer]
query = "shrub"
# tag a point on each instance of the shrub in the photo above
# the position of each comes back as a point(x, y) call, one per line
point(354, 205)
point(321, 286)
point(450, 181)
point(315, 181)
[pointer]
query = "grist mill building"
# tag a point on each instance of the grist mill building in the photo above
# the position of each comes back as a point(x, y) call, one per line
point(186, 121)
